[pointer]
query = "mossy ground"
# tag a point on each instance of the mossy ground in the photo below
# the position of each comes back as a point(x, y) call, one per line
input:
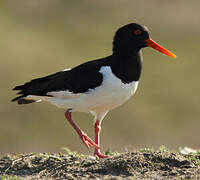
point(137, 164)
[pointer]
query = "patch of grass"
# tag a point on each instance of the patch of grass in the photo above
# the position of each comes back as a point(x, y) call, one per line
point(163, 148)
point(146, 149)
point(195, 158)
point(72, 153)
point(6, 177)
point(110, 153)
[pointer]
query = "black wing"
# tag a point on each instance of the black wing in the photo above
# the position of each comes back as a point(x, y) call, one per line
point(77, 80)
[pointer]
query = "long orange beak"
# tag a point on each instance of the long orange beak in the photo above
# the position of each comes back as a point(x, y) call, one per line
point(154, 45)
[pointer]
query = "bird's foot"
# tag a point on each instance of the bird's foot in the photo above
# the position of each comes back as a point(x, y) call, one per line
point(87, 141)
point(99, 155)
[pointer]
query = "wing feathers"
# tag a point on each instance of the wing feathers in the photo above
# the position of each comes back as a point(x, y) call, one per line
point(65, 83)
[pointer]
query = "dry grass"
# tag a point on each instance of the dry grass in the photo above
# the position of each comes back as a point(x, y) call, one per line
point(143, 164)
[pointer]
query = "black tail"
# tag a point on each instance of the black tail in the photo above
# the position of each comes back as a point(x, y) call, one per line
point(37, 87)
point(24, 91)
point(18, 98)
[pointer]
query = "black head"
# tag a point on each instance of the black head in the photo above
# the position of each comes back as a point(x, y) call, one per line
point(132, 37)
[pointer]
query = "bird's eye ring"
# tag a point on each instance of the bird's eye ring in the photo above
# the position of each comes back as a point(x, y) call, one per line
point(137, 32)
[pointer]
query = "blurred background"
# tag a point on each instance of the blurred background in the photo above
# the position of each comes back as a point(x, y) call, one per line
point(42, 37)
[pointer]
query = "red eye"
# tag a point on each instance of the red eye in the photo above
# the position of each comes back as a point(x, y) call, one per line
point(137, 32)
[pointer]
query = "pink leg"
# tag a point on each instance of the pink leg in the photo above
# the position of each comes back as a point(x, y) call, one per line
point(85, 139)
point(97, 129)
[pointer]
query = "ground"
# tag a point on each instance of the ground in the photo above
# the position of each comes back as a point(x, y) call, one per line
point(137, 164)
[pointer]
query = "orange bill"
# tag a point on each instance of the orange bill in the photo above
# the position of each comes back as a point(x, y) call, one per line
point(154, 45)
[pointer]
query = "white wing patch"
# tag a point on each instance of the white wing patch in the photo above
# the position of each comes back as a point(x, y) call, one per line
point(66, 69)
point(64, 94)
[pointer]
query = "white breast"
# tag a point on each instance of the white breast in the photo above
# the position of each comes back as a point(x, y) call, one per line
point(112, 93)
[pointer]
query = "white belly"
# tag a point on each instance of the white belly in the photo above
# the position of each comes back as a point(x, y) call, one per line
point(109, 95)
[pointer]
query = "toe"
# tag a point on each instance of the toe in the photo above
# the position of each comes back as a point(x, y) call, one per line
point(98, 155)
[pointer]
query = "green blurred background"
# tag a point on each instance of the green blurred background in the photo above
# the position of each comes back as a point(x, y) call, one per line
point(39, 37)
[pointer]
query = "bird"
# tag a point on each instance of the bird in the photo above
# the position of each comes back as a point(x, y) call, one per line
point(96, 86)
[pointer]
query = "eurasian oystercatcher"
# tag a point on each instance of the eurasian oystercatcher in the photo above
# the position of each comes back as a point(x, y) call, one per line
point(96, 86)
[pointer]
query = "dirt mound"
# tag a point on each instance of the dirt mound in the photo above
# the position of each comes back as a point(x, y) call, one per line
point(143, 164)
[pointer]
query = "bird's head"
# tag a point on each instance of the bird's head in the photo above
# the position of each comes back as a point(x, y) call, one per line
point(132, 37)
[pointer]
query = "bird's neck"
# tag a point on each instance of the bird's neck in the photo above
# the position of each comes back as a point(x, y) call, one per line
point(127, 67)
point(124, 48)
